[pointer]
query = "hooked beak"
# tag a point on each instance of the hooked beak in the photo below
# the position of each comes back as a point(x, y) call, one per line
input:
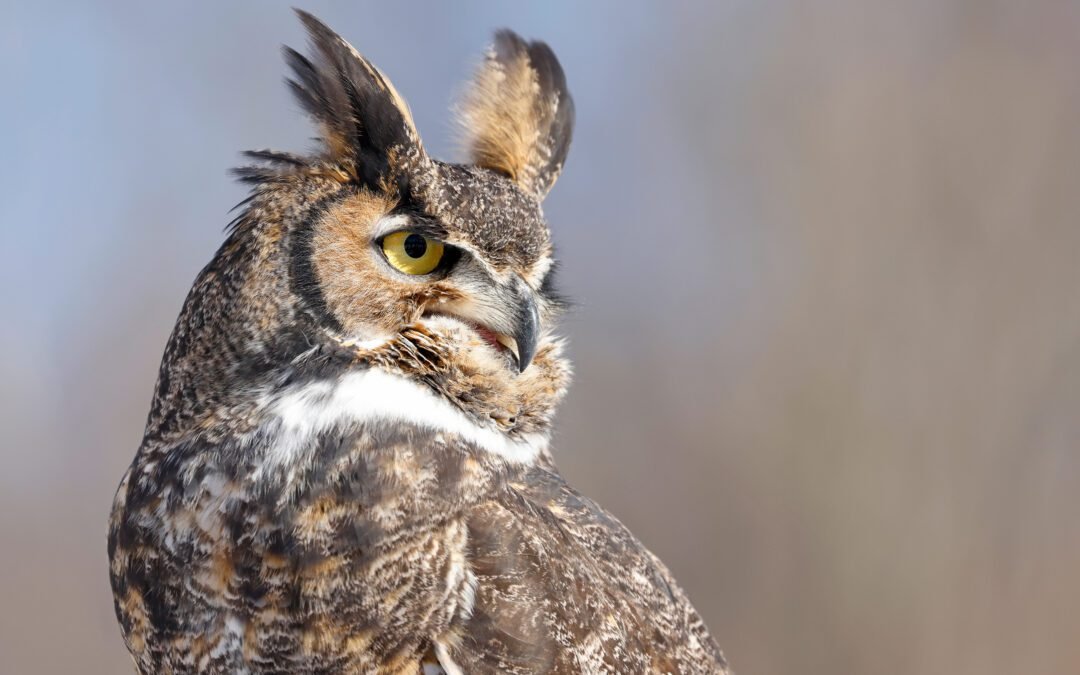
point(507, 314)
point(526, 331)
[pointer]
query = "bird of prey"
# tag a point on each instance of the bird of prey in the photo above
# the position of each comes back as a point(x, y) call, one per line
point(346, 465)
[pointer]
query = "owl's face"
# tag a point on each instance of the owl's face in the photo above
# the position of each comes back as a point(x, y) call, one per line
point(421, 241)
point(481, 259)
point(440, 272)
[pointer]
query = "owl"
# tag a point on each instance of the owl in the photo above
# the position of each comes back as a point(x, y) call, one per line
point(346, 465)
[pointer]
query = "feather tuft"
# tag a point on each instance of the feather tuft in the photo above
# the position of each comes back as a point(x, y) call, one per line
point(518, 117)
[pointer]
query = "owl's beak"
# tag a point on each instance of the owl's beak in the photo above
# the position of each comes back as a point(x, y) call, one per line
point(526, 332)
point(505, 314)
point(512, 319)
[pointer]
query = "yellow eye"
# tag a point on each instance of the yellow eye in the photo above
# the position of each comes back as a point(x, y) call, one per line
point(412, 253)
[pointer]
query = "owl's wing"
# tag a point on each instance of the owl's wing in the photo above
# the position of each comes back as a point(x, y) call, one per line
point(562, 586)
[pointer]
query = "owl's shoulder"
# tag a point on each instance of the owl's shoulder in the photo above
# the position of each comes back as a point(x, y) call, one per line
point(546, 556)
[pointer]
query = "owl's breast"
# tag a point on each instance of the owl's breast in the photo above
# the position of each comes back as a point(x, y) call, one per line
point(333, 535)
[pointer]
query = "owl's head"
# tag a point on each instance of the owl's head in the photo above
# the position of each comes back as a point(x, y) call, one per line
point(370, 242)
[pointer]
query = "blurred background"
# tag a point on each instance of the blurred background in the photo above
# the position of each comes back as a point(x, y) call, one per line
point(827, 264)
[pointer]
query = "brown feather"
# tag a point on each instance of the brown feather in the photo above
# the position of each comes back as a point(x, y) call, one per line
point(269, 524)
point(517, 117)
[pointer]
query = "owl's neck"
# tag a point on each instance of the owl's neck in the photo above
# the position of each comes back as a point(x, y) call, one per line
point(374, 402)
point(441, 357)
point(420, 381)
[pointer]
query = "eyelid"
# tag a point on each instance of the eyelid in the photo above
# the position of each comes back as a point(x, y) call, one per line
point(390, 224)
point(429, 231)
point(401, 222)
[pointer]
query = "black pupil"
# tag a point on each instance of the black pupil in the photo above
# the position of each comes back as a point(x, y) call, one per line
point(415, 246)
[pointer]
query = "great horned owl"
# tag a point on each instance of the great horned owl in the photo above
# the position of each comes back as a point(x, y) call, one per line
point(346, 467)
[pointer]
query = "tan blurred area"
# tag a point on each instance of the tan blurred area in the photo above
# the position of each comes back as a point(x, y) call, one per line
point(826, 258)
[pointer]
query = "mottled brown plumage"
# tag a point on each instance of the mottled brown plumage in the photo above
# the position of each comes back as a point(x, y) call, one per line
point(345, 468)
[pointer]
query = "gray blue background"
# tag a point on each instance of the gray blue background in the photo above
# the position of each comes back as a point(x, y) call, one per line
point(827, 264)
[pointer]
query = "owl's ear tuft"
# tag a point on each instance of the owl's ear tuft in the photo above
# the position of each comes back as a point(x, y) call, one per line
point(517, 115)
point(364, 122)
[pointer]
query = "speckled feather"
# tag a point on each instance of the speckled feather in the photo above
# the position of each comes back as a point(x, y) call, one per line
point(339, 473)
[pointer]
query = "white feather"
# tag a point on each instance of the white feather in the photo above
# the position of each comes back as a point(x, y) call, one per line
point(447, 663)
point(372, 396)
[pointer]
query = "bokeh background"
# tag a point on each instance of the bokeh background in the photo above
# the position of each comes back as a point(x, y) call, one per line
point(827, 264)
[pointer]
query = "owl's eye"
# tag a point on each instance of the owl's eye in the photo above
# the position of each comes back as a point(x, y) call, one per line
point(412, 253)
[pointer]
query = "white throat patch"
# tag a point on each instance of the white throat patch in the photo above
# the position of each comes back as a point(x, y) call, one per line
point(372, 396)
